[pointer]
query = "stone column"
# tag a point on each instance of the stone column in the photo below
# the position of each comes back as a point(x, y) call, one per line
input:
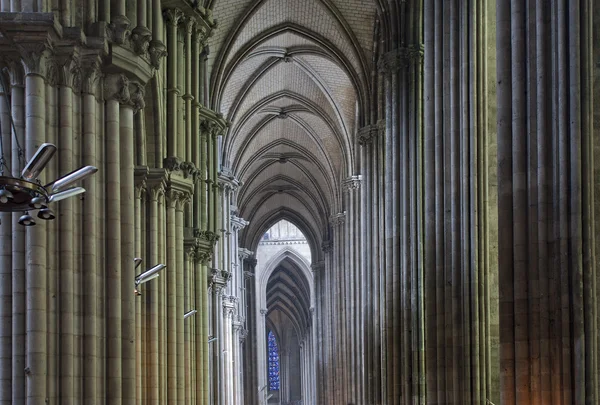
point(172, 19)
point(116, 91)
point(91, 253)
point(229, 304)
point(127, 240)
point(182, 200)
point(66, 238)
point(155, 191)
point(261, 354)
point(36, 283)
point(546, 203)
point(5, 259)
point(171, 290)
point(17, 85)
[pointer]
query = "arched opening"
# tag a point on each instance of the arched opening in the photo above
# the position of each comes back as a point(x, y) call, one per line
point(284, 297)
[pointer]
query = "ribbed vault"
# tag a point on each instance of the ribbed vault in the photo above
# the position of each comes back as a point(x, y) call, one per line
point(291, 79)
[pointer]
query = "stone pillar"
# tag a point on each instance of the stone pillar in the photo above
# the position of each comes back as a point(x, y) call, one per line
point(66, 237)
point(127, 241)
point(155, 192)
point(17, 85)
point(229, 304)
point(182, 200)
point(546, 203)
point(116, 91)
point(91, 252)
point(36, 283)
point(6, 317)
point(171, 290)
point(172, 18)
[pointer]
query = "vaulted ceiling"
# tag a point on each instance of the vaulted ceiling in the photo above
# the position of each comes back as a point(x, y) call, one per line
point(292, 78)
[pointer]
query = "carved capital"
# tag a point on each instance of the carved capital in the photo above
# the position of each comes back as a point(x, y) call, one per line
point(190, 24)
point(182, 200)
point(34, 57)
point(352, 183)
point(327, 246)
point(118, 30)
point(157, 51)
point(263, 311)
point(202, 256)
point(16, 73)
point(208, 236)
point(173, 16)
point(136, 91)
point(338, 219)
point(396, 59)
point(69, 72)
point(90, 74)
point(172, 198)
point(366, 134)
point(116, 87)
point(140, 39)
point(210, 127)
point(155, 191)
point(200, 36)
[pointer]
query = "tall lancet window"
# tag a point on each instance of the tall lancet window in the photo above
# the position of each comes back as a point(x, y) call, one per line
point(273, 363)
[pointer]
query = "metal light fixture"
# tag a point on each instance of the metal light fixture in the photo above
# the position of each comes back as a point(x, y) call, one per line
point(145, 276)
point(211, 339)
point(189, 313)
point(26, 220)
point(24, 191)
point(46, 214)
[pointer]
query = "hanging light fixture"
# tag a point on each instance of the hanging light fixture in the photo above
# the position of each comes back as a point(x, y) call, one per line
point(145, 276)
point(25, 191)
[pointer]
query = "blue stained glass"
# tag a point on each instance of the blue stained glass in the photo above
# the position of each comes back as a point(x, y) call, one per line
point(273, 363)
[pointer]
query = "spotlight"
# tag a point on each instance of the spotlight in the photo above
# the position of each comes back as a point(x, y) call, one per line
point(38, 203)
point(26, 219)
point(38, 162)
point(66, 194)
point(46, 214)
point(137, 262)
point(211, 339)
point(189, 313)
point(5, 195)
point(73, 177)
point(148, 275)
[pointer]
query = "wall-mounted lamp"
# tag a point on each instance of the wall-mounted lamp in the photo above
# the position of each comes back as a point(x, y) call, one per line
point(211, 339)
point(147, 275)
point(189, 313)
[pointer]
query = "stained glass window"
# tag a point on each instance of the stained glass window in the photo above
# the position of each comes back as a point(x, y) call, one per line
point(273, 363)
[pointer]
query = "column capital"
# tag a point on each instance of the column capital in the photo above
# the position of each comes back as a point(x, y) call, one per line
point(352, 183)
point(238, 224)
point(140, 178)
point(366, 134)
point(35, 56)
point(263, 311)
point(244, 253)
point(403, 57)
point(327, 246)
point(173, 16)
point(338, 219)
point(90, 75)
point(116, 87)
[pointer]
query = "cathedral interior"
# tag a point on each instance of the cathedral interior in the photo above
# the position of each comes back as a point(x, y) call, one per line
point(299, 202)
